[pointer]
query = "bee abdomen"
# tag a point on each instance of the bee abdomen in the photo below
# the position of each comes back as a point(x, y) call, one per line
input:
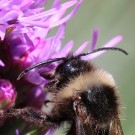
point(101, 102)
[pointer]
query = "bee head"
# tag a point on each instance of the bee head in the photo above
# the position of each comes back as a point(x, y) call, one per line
point(72, 67)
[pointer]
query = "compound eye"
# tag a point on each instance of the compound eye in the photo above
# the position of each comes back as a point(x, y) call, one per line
point(68, 68)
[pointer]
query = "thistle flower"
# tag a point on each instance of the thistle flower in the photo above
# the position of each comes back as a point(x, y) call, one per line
point(28, 43)
point(7, 94)
point(27, 15)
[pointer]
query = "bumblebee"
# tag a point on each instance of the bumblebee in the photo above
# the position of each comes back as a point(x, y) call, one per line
point(83, 95)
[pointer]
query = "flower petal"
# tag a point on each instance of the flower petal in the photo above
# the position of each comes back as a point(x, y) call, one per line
point(94, 39)
point(111, 43)
point(81, 48)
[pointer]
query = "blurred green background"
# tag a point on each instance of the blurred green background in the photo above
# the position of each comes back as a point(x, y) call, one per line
point(112, 17)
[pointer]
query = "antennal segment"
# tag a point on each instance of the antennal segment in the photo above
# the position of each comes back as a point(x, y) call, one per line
point(104, 49)
point(64, 58)
point(38, 65)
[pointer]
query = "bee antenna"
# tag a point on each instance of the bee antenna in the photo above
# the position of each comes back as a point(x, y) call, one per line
point(104, 49)
point(64, 58)
point(38, 65)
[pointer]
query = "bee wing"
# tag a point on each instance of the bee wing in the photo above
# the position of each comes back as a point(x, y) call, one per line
point(86, 129)
point(116, 128)
point(82, 126)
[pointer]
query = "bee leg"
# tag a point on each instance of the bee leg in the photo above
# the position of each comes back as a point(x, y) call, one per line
point(30, 115)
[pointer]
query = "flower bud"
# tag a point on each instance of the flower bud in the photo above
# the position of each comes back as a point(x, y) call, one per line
point(7, 94)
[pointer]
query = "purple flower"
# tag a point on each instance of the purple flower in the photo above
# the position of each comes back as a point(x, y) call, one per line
point(28, 44)
point(28, 15)
point(24, 28)
point(7, 94)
